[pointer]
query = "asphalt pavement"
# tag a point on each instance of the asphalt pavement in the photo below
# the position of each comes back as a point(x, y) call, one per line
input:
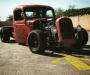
point(17, 59)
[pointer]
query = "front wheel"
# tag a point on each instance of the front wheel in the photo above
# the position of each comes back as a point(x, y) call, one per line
point(36, 41)
point(81, 37)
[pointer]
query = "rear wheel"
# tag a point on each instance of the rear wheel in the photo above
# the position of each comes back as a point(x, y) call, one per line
point(36, 41)
point(5, 35)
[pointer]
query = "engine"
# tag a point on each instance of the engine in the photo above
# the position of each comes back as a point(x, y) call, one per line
point(51, 33)
point(49, 29)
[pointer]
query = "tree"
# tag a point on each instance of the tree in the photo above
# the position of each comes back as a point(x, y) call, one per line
point(71, 6)
point(59, 12)
point(75, 12)
point(9, 18)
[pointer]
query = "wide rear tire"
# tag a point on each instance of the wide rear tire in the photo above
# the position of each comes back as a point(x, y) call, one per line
point(37, 42)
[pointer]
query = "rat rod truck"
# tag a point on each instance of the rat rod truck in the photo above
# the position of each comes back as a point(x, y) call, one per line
point(37, 26)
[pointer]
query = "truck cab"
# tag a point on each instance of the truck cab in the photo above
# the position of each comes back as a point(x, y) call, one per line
point(28, 17)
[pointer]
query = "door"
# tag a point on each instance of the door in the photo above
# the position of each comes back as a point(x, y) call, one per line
point(19, 27)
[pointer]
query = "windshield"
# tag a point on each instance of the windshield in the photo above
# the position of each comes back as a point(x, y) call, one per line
point(39, 13)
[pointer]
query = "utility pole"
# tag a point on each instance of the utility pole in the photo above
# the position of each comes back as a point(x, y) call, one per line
point(78, 19)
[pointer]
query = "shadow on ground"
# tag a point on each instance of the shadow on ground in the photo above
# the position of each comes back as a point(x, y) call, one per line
point(57, 52)
point(85, 51)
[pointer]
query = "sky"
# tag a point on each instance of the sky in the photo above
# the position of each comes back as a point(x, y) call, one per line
point(7, 6)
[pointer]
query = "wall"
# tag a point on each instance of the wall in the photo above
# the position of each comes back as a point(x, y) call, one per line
point(84, 21)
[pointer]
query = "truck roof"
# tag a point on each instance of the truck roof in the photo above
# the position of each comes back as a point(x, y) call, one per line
point(33, 5)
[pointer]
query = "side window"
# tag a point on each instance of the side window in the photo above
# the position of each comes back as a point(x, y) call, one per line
point(18, 15)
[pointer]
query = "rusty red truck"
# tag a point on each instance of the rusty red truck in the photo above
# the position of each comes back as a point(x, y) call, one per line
point(38, 26)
